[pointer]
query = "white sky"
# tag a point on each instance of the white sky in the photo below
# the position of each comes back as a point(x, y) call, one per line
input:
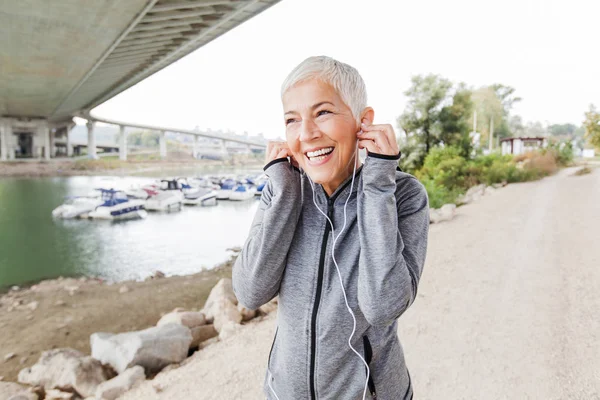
point(549, 50)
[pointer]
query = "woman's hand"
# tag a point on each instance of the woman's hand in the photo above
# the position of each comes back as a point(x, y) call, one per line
point(276, 149)
point(379, 139)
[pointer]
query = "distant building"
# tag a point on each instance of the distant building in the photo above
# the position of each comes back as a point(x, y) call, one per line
point(521, 145)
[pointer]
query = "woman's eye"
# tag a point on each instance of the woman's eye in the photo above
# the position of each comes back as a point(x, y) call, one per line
point(289, 121)
point(323, 112)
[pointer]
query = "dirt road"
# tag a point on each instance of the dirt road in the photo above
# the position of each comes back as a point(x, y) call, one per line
point(507, 307)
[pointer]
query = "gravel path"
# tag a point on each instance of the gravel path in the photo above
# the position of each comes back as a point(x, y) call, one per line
point(507, 307)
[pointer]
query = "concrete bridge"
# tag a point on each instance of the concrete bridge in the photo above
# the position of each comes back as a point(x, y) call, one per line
point(60, 60)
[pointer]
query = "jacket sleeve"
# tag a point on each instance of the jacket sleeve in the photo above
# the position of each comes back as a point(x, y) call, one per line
point(259, 268)
point(393, 224)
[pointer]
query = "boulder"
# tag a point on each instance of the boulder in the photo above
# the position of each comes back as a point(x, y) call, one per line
point(476, 190)
point(152, 348)
point(228, 330)
point(112, 389)
point(489, 190)
point(464, 199)
point(247, 314)
point(448, 211)
point(221, 305)
point(202, 333)
point(55, 394)
point(9, 390)
point(191, 319)
point(66, 369)
point(434, 216)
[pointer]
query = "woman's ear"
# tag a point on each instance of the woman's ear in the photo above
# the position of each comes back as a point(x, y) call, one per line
point(367, 116)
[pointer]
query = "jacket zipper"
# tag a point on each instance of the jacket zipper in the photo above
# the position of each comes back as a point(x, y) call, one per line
point(368, 356)
point(313, 323)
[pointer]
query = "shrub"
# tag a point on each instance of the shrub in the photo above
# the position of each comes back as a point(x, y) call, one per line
point(445, 167)
point(438, 194)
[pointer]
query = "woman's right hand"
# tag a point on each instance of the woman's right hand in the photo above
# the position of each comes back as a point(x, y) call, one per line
point(277, 149)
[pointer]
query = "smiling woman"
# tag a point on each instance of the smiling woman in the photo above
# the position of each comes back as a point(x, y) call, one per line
point(342, 244)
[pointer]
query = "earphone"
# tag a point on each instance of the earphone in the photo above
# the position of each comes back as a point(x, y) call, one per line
point(335, 238)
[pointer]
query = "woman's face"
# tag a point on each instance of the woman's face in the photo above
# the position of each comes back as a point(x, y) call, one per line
point(320, 132)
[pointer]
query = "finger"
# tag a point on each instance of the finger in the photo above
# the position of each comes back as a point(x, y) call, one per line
point(282, 153)
point(387, 129)
point(368, 144)
point(379, 138)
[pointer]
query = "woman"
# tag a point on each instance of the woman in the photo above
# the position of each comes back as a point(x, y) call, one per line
point(338, 305)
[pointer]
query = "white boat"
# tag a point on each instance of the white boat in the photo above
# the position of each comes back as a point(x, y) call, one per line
point(117, 206)
point(242, 192)
point(226, 188)
point(200, 196)
point(168, 198)
point(76, 207)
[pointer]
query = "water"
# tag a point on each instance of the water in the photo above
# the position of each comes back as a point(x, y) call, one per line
point(33, 246)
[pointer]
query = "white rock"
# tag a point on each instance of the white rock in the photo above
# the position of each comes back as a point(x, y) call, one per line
point(476, 189)
point(221, 305)
point(112, 389)
point(55, 394)
point(202, 333)
point(152, 348)
point(9, 356)
point(464, 199)
point(489, 190)
point(191, 319)
point(434, 216)
point(448, 211)
point(15, 288)
point(124, 289)
point(247, 314)
point(229, 329)
point(24, 395)
point(10, 389)
point(33, 305)
point(66, 369)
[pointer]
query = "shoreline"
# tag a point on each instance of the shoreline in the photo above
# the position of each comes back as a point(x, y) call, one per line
point(64, 312)
point(102, 167)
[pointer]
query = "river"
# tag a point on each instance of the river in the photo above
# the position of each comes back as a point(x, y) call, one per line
point(34, 246)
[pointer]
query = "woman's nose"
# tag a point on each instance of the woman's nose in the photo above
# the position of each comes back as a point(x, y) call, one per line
point(309, 130)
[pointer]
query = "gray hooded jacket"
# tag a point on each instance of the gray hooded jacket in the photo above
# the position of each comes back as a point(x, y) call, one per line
point(380, 255)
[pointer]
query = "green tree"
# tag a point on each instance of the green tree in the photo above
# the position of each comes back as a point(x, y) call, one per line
point(420, 119)
point(488, 107)
point(454, 121)
point(562, 129)
point(592, 126)
point(143, 138)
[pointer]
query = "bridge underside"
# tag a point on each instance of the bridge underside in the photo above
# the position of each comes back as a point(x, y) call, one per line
point(65, 57)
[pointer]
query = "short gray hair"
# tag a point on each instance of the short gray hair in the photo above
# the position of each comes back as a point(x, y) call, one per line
point(344, 78)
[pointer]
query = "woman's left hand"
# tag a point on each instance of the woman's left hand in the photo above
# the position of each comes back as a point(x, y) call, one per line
point(379, 139)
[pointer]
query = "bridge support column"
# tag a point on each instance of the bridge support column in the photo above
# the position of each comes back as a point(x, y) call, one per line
point(196, 147)
point(4, 135)
point(69, 145)
point(91, 140)
point(44, 132)
point(122, 143)
point(162, 144)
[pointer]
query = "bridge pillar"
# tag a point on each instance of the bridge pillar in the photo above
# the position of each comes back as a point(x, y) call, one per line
point(69, 145)
point(91, 145)
point(122, 143)
point(44, 133)
point(196, 149)
point(4, 135)
point(162, 144)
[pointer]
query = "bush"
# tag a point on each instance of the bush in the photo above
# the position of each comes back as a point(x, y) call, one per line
point(438, 194)
point(445, 167)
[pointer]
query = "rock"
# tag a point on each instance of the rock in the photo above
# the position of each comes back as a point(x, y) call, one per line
point(434, 216)
point(112, 389)
point(124, 289)
point(67, 369)
point(23, 360)
point(202, 333)
point(464, 199)
point(191, 319)
point(33, 305)
point(269, 307)
point(15, 288)
point(55, 394)
point(60, 303)
point(229, 329)
point(24, 395)
point(489, 190)
point(152, 348)
point(10, 389)
point(247, 314)
point(448, 211)
point(1, 378)
point(476, 189)
point(72, 289)
point(9, 356)
point(221, 305)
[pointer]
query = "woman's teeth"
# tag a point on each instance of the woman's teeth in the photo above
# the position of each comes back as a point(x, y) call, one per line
point(319, 154)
